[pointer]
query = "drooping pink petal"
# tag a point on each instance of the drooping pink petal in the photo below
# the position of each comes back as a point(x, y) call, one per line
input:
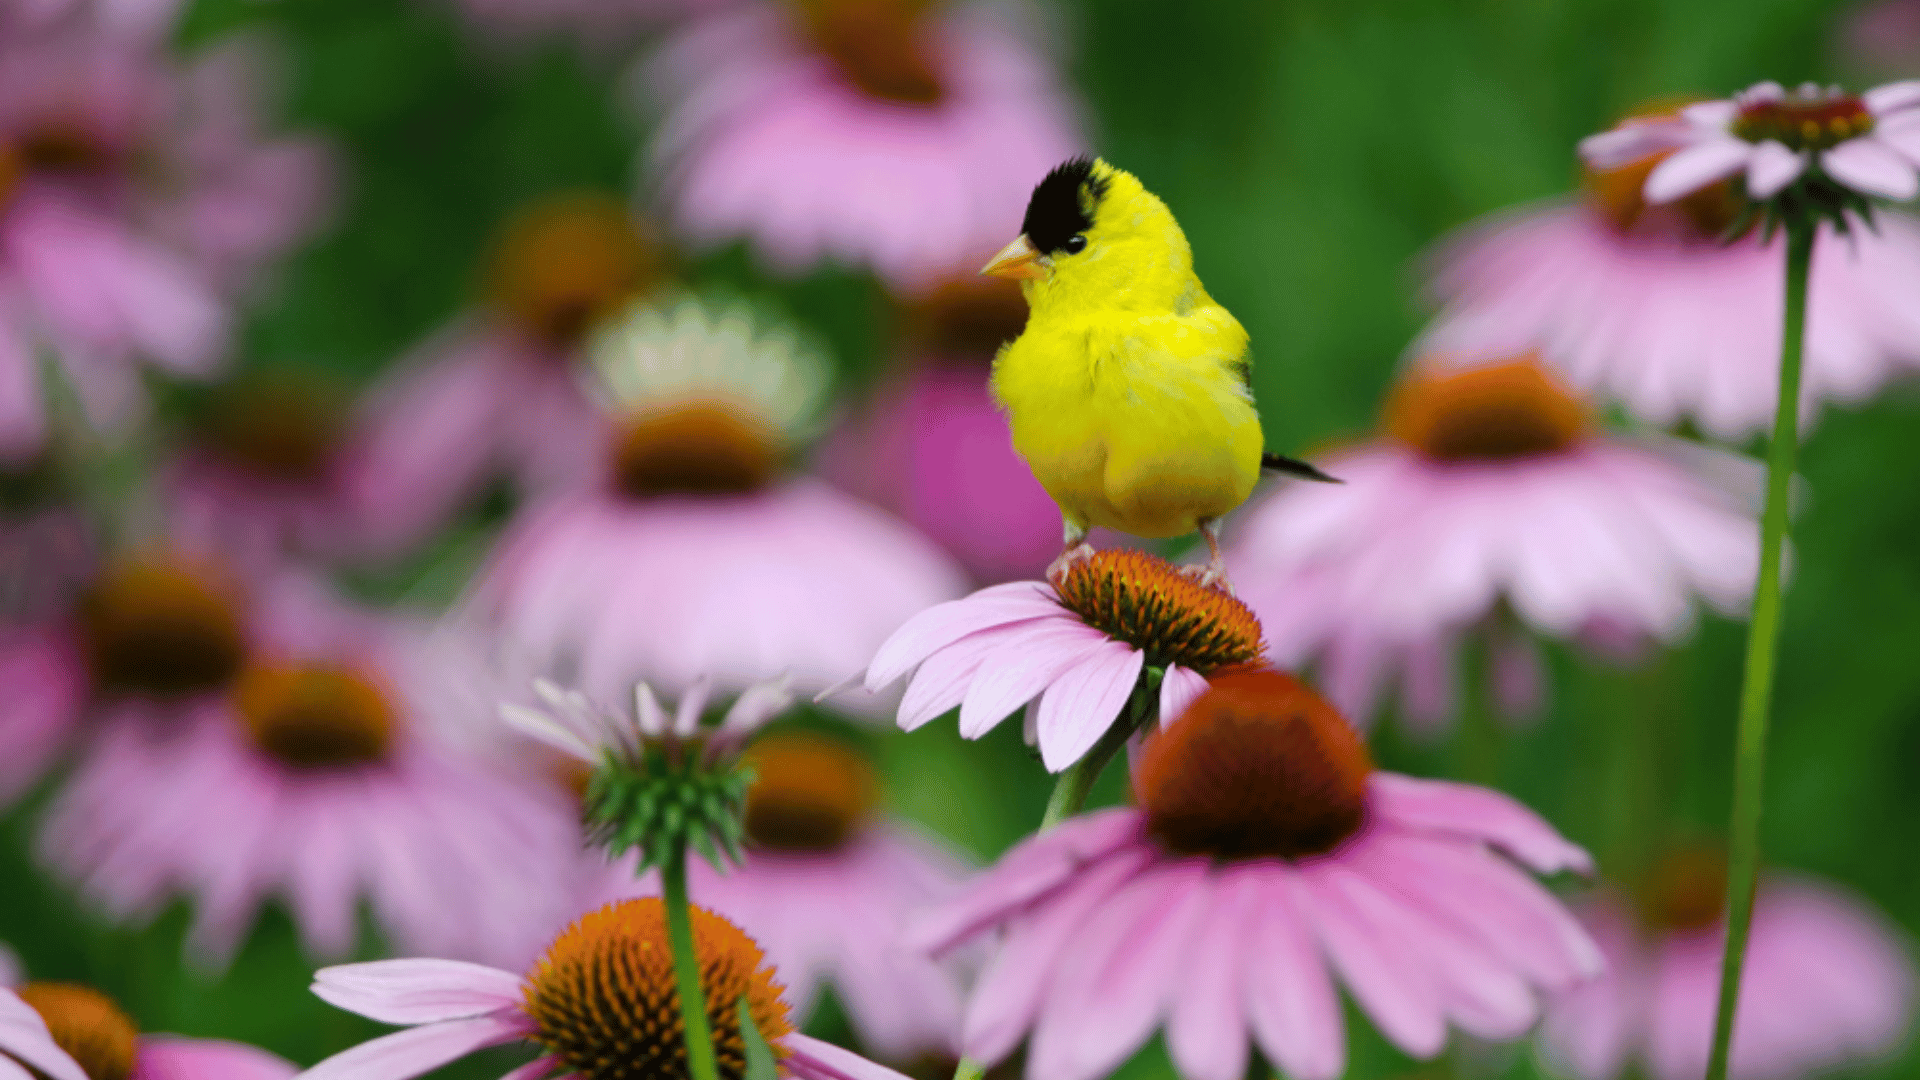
point(813, 1059)
point(1693, 168)
point(406, 1054)
point(1290, 997)
point(1079, 708)
point(1028, 661)
point(943, 624)
point(23, 1034)
point(1477, 813)
point(169, 1057)
point(1866, 164)
point(1774, 167)
point(417, 991)
point(1383, 973)
point(1177, 690)
point(1207, 1027)
point(1892, 97)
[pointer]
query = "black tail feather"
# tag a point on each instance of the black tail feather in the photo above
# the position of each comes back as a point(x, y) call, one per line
point(1287, 466)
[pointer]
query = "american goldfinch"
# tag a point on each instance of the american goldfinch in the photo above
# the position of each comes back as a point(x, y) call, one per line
point(1127, 393)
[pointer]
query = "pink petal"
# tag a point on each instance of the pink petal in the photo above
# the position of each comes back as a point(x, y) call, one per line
point(1892, 97)
point(537, 1069)
point(1773, 168)
point(1034, 867)
point(941, 682)
point(1630, 142)
point(1085, 702)
point(166, 1057)
point(1207, 1031)
point(1693, 168)
point(1290, 996)
point(1869, 165)
point(406, 1054)
point(23, 1034)
point(943, 624)
point(1021, 668)
point(417, 991)
point(1178, 689)
point(1475, 812)
point(812, 1059)
point(1385, 978)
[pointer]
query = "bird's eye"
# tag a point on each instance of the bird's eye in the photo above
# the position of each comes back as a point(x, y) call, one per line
point(1076, 243)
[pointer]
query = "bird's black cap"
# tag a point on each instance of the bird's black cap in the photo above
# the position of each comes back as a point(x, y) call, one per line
point(1056, 212)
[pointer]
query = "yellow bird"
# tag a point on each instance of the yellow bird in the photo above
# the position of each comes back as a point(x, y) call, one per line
point(1127, 392)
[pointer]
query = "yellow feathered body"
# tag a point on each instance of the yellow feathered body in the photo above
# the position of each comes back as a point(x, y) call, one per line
point(1127, 393)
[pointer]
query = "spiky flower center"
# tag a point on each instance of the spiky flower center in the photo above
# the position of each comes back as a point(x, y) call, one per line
point(88, 1026)
point(694, 447)
point(280, 425)
point(1258, 766)
point(809, 793)
point(313, 717)
point(1686, 890)
point(1148, 603)
point(1496, 411)
point(564, 264)
point(967, 317)
point(878, 46)
point(603, 998)
point(161, 626)
point(1810, 118)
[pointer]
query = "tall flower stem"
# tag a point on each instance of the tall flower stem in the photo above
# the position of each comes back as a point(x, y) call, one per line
point(1763, 633)
point(686, 968)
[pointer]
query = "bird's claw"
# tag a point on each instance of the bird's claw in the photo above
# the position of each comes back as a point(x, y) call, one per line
point(1067, 560)
point(1210, 575)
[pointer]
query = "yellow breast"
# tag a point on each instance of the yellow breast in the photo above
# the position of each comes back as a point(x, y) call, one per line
point(1137, 423)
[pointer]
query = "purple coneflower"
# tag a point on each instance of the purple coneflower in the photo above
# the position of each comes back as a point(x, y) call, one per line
point(65, 1031)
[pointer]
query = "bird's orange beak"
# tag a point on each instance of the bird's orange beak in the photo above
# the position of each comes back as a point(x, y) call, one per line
point(1018, 260)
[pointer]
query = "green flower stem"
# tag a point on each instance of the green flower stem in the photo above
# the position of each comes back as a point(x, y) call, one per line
point(686, 968)
point(1070, 791)
point(1763, 633)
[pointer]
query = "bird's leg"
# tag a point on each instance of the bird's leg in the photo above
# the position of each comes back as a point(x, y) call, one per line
point(1074, 551)
point(1214, 574)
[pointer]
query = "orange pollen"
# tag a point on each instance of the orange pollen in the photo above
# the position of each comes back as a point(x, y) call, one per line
point(809, 793)
point(1686, 890)
point(312, 717)
point(878, 46)
point(1802, 121)
point(696, 447)
point(1148, 603)
point(966, 317)
point(161, 627)
point(1495, 411)
point(88, 1026)
point(1618, 194)
point(1258, 766)
point(563, 264)
point(604, 1001)
point(281, 425)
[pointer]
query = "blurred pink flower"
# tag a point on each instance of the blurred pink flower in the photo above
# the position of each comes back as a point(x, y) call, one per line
point(63, 1031)
point(1267, 857)
point(932, 447)
point(316, 771)
point(1650, 304)
point(1768, 137)
point(137, 20)
point(605, 982)
point(1491, 495)
point(1827, 983)
point(132, 197)
point(1073, 657)
point(827, 889)
point(45, 682)
point(692, 557)
point(498, 391)
point(857, 131)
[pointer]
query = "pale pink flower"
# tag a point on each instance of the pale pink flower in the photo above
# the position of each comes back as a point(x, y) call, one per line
point(859, 132)
point(692, 556)
point(605, 983)
point(934, 448)
point(133, 198)
point(1073, 656)
point(138, 20)
point(1492, 494)
point(313, 769)
point(1828, 983)
point(45, 684)
point(1268, 861)
point(497, 392)
point(827, 889)
point(1650, 306)
point(1768, 137)
point(59, 1030)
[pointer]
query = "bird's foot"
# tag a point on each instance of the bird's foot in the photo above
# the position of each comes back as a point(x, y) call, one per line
point(1070, 558)
point(1210, 575)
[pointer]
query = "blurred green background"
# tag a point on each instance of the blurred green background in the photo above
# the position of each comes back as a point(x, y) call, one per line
point(1311, 148)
